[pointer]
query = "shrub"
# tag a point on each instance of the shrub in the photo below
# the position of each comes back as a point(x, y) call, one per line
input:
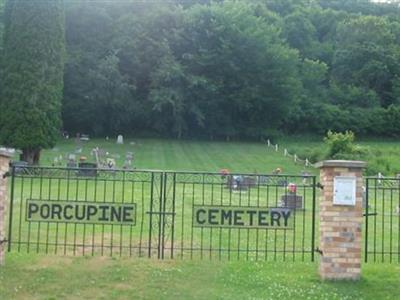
point(339, 144)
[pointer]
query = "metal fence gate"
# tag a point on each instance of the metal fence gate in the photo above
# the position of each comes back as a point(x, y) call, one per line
point(382, 220)
point(162, 214)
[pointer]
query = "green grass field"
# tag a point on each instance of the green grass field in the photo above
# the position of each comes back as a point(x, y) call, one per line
point(158, 154)
point(51, 277)
point(208, 276)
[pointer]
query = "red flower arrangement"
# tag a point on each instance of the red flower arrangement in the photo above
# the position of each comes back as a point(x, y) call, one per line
point(224, 172)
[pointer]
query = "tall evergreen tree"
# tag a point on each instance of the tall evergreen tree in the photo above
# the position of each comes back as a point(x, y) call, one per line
point(32, 77)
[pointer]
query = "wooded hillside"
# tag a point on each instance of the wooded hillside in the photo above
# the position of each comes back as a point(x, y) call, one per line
point(231, 69)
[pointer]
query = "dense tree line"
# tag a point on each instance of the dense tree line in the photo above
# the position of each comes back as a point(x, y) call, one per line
point(231, 69)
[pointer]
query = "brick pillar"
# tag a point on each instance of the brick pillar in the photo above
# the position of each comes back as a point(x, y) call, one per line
point(341, 219)
point(4, 163)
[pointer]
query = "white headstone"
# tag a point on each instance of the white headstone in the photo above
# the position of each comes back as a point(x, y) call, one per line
point(120, 140)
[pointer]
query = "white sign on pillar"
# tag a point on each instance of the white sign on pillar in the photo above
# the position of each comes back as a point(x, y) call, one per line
point(344, 190)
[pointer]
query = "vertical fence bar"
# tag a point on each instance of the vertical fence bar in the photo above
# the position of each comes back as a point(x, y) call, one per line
point(366, 221)
point(383, 223)
point(20, 214)
point(183, 217)
point(313, 222)
point(173, 215)
point(375, 214)
point(151, 212)
point(398, 223)
point(39, 223)
point(163, 215)
point(159, 215)
point(391, 223)
point(11, 207)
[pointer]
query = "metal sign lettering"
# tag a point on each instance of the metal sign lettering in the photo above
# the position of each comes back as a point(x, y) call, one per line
point(242, 217)
point(80, 212)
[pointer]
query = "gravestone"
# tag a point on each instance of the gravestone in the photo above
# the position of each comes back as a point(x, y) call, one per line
point(292, 201)
point(120, 139)
point(84, 137)
point(128, 160)
point(87, 169)
point(72, 163)
point(111, 163)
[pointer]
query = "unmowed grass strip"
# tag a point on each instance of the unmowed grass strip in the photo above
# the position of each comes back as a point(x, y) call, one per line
point(382, 155)
point(51, 277)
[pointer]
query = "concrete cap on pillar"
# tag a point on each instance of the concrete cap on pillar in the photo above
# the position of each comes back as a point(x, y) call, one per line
point(5, 153)
point(341, 164)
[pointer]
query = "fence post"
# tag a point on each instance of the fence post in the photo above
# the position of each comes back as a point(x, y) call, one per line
point(276, 147)
point(340, 219)
point(4, 166)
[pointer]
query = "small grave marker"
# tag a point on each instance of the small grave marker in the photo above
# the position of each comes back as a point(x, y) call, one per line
point(120, 140)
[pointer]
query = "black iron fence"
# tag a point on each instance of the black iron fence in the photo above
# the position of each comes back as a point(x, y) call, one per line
point(162, 214)
point(382, 220)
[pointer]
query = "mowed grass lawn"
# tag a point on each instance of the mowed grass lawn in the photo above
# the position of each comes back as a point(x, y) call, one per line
point(51, 277)
point(159, 154)
point(33, 276)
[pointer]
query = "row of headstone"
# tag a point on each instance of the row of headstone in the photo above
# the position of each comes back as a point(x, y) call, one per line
point(103, 158)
